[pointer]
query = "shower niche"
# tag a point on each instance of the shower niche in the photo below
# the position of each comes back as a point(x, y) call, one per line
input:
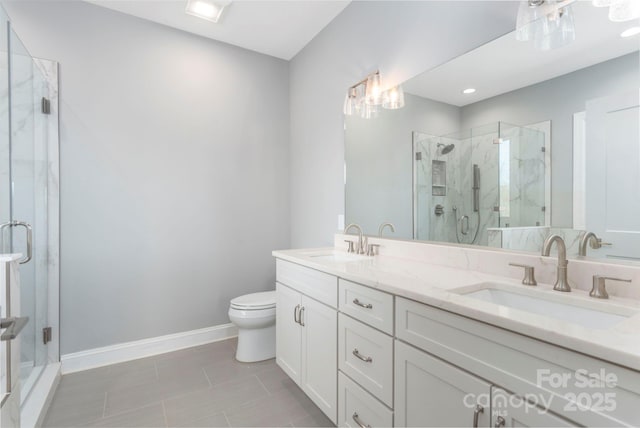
point(467, 183)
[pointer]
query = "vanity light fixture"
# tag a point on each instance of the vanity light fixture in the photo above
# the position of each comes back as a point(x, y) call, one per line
point(624, 10)
point(629, 32)
point(548, 23)
point(393, 98)
point(620, 10)
point(206, 9)
point(469, 91)
point(365, 97)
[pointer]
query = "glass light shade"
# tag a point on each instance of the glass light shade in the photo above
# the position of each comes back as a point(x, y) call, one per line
point(368, 111)
point(624, 10)
point(373, 91)
point(350, 102)
point(601, 3)
point(558, 30)
point(393, 98)
point(529, 21)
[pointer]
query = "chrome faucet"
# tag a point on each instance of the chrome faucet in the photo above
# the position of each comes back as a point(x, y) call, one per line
point(592, 240)
point(562, 283)
point(383, 225)
point(360, 246)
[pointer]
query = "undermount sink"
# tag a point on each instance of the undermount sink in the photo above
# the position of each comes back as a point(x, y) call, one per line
point(337, 256)
point(559, 307)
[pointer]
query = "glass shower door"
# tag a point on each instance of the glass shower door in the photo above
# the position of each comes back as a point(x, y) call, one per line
point(26, 188)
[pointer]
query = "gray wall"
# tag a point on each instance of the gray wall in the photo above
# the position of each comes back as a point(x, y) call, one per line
point(379, 162)
point(557, 100)
point(402, 39)
point(174, 171)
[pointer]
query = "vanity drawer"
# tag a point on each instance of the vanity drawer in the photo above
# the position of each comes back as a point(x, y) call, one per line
point(318, 285)
point(366, 355)
point(370, 306)
point(356, 406)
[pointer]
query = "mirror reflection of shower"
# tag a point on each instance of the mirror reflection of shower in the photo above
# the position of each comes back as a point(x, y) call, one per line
point(445, 148)
point(462, 223)
point(450, 202)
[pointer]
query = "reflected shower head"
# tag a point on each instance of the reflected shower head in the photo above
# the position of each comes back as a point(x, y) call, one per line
point(446, 148)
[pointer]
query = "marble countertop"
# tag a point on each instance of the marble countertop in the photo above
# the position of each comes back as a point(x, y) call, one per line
point(436, 286)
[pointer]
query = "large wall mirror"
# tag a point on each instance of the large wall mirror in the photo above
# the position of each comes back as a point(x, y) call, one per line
point(508, 144)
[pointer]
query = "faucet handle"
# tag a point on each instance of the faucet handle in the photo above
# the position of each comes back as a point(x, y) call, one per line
point(529, 274)
point(372, 249)
point(350, 249)
point(599, 290)
point(596, 243)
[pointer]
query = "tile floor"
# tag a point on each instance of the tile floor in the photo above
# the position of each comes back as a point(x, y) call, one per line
point(196, 387)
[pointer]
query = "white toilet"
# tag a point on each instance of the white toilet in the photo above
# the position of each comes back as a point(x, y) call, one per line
point(255, 316)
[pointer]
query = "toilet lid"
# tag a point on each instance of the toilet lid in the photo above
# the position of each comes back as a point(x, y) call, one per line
point(263, 300)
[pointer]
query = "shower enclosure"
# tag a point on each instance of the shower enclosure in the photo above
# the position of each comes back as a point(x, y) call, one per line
point(485, 177)
point(29, 196)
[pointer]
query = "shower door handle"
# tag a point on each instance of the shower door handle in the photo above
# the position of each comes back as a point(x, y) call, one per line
point(29, 231)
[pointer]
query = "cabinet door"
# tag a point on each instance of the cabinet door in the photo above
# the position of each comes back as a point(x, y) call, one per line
point(509, 410)
point(430, 392)
point(319, 351)
point(288, 331)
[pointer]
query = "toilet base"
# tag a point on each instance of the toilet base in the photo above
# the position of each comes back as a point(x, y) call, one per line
point(256, 344)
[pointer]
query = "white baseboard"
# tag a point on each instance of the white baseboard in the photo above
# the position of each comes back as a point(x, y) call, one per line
point(128, 351)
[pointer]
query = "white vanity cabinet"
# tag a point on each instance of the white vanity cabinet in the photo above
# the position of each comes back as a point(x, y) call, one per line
point(430, 392)
point(552, 377)
point(306, 332)
point(368, 358)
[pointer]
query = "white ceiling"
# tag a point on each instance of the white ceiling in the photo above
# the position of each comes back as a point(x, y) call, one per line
point(276, 28)
point(506, 64)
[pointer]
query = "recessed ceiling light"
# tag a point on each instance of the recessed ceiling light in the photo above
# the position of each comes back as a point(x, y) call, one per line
point(630, 32)
point(469, 91)
point(206, 9)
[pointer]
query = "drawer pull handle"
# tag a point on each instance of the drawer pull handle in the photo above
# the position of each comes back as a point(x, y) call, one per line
point(500, 422)
point(357, 420)
point(362, 305)
point(363, 358)
point(296, 314)
point(476, 414)
point(300, 317)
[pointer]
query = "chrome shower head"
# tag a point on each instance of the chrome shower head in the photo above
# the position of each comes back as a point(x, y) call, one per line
point(446, 148)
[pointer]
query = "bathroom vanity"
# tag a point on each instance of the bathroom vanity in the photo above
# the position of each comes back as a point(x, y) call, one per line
point(438, 335)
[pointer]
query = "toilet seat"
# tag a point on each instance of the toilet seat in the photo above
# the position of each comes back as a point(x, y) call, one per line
point(255, 301)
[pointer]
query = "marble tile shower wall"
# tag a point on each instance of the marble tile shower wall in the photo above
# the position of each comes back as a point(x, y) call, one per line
point(526, 167)
point(532, 238)
point(484, 154)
